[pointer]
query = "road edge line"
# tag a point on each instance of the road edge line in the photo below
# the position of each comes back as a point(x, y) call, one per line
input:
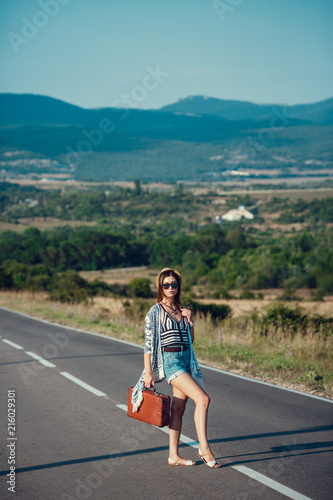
point(256, 476)
point(219, 370)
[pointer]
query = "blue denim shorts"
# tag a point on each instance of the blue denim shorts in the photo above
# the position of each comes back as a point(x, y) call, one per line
point(175, 364)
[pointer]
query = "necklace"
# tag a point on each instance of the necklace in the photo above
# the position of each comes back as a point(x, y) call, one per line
point(173, 309)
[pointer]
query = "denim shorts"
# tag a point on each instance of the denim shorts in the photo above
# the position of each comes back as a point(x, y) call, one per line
point(175, 364)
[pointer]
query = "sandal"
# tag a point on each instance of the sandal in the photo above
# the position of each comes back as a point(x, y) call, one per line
point(188, 462)
point(213, 464)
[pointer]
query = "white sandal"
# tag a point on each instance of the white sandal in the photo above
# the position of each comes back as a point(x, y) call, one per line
point(213, 464)
point(188, 462)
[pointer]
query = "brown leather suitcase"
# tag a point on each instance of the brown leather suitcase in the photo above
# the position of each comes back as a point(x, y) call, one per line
point(154, 409)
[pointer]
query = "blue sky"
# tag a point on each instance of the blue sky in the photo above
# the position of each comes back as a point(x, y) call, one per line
point(94, 52)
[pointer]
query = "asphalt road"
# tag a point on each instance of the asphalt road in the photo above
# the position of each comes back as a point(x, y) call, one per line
point(75, 441)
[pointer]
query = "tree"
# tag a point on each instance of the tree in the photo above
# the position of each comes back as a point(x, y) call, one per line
point(70, 287)
point(6, 281)
point(140, 287)
point(137, 187)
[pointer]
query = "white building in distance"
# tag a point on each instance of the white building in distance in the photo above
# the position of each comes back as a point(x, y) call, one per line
point(234, 214)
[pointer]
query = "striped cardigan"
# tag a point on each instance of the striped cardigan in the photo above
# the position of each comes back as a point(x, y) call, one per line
point(153, 346)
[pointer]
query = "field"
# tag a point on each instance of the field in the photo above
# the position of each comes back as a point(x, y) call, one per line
point(233, 187)
point(207, 202)
point(239, 306)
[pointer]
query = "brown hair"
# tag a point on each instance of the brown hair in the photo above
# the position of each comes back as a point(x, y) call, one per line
point(160, 292)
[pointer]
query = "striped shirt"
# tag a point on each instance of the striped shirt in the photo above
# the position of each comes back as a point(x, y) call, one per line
point(173, 332)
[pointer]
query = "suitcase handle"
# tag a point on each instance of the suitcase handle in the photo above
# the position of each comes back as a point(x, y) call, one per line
point(151, 389)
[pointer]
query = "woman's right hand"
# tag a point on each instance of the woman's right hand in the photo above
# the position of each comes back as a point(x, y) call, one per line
point(148, 380)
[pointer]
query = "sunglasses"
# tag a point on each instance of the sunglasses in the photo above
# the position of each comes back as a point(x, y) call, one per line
point(167, 285)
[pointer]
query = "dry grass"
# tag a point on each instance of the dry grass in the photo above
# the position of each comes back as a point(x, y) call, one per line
point(121, 276)
point(287, 358)
point(281, 357)
point(64, 184)
point(203, 188)
point(102, 315)
point(241, 307)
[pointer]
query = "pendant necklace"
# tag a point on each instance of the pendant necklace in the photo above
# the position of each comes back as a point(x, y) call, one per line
point(173, 309)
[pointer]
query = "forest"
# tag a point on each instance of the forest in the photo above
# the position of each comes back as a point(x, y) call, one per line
point(143, 227)
point(226, 259)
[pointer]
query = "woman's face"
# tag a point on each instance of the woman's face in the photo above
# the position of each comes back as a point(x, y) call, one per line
point(170, 292)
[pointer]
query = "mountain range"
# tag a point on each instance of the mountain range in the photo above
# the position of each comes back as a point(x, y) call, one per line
point(22, 109)
point(319, 112)
point(197, 138)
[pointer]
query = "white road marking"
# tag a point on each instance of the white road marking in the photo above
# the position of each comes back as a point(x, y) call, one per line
point(9, 342)
point(122, 407)
point(183, 438)
point(83, 384)
point(40, 359)
point(270, 483)
point(274, 485)
point(326, 400)
point(189, 441)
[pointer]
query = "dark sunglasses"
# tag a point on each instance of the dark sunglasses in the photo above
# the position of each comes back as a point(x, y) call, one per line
point(167, 285)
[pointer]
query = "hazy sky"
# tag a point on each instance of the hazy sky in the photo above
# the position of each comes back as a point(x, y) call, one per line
point(149, 53)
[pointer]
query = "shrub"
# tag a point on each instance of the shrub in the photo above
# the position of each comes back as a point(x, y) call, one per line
point(6, 280)
point(278, 315)
point(97, 287)
point(18, 273)
point(295, 320)
point(137, 310)
point(39, 282)
point(247, 294)
point(217, 312)
point(140, 287)
point(22, 276)
point(69, 287)
point(222, 294)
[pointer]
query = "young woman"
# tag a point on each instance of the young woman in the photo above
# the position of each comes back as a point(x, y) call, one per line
point(169, 334)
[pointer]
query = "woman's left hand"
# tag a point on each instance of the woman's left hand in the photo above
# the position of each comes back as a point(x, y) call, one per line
point(188, 314)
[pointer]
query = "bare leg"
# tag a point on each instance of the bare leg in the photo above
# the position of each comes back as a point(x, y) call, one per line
point(178, 405)
point(186, 385)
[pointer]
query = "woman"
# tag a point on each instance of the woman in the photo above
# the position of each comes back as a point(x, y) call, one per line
point(169, 333)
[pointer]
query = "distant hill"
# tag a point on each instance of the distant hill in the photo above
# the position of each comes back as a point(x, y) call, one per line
point(33, 110)
point(190, 140)
point(23, 109)
point(29, 109)
point(319, 112)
